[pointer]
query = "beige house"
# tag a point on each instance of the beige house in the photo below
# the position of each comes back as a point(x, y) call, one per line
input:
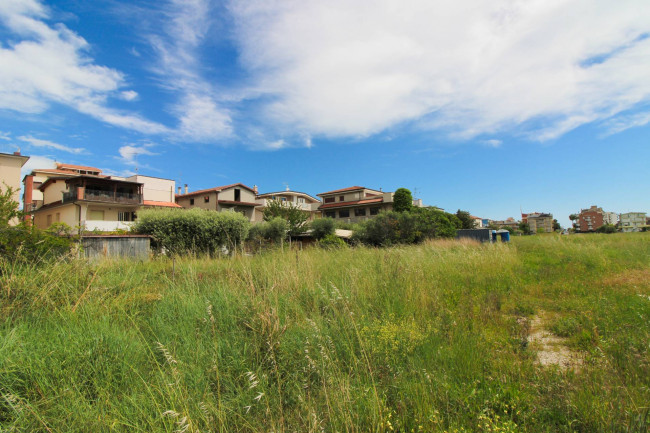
point(10, 166)
point(304, 201)
point(229, 198)
point(539, 221)
point(355, 203)
point(632, 221)
point(83, 197)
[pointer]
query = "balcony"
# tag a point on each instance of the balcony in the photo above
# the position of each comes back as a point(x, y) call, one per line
point(103, 196)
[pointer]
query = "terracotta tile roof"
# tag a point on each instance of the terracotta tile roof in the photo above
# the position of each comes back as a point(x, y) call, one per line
point(62, 166)
point(215, 189)
point(160, 203)
point(238, 203)
point(351, 188)
point(351, 203)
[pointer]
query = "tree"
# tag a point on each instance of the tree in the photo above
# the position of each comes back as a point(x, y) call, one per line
point(322, 227)
point(465, 219)
point(606, 228)
point(8, 206)
point(556, 225)
point(525, 228)
point(295, 217)
point(402, 200)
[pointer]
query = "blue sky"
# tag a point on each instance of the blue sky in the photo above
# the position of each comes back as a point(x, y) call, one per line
point(484, 106)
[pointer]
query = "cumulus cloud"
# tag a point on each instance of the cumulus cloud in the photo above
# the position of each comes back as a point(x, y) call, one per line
point(37, 142)
point(37, 161)
point(354, 68)
point(47, 64)
point(129, 152)
point(201, 115)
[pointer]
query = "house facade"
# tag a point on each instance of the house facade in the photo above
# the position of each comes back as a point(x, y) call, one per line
point(355, 203)
point(303, 201)
point(508, 222)
point(229, 198)
point(10, 166)
point(632, 221)
point(539, 221)
point(591, 219)
point(83, 197)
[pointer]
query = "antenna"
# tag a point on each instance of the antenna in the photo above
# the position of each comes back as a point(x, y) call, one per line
point(415, 192)
point(286, 186)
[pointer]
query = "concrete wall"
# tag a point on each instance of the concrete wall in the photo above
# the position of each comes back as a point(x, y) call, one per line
point(116, 246)
point(155, 188)
point(199, 201)
point(54, 191)
point(10, 166)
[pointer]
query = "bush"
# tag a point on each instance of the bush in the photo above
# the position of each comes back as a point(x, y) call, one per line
point(322, 227)
point(331, 241)
point(402, 200)
point(196, 230)
point(390, 228)
point(607, 228)
point(276, 230)
point(28, 244)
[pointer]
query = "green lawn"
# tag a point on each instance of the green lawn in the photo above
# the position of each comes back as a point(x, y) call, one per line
point(424, 338)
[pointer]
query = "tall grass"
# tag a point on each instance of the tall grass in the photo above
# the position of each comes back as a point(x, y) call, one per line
point(419, 338)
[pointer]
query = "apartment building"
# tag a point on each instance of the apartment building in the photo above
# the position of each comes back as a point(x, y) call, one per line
point(10, 166)
point(632, 221)
point(538, 221)
point(228, 198)
point(355, 203)
point(591, 219)
point(304, 201)
point(506, 223)
point(610, 218)
point(478, 222)
point(83, 197)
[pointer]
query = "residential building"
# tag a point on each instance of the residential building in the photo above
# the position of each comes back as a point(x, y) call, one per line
point(632, 221)
point(231, 198)
point(591, 219)
point(478, 222)
point(10, 166)
point(610, 218)
point(83, 197)
point(357, 203)
point(509, 222)
point(538, 221)
point(302, 200)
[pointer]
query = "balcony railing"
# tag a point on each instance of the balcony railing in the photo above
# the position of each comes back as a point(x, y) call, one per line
point(105, 196)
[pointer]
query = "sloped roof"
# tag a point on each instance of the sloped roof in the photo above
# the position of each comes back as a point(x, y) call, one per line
point(215, 189)
point(160, 203)
point(62, 166)
point(351, 188)
point(351, 203)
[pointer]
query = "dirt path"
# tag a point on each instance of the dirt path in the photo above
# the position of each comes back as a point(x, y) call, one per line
point(551, 349)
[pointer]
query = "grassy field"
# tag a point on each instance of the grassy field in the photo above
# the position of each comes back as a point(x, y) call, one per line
point(431, 338)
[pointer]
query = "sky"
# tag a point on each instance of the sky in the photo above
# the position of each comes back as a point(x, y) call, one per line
point(492, 107)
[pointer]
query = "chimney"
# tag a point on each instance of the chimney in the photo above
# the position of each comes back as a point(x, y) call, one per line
point(380, 190)
point(185, 188)
point(255, 189)
point(179, 190)
point(17, 153)
point(27, 199)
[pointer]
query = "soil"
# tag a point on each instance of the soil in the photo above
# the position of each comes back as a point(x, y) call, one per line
point(551, 349)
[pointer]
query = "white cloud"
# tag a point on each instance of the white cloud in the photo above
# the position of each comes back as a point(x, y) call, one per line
point(47, 64)
point(622, 123)
point(354, 68)
point(130, 152)
point(493, 143)
point(201, 115)
point(129, 95)
point(5, 136)
point(37, 142)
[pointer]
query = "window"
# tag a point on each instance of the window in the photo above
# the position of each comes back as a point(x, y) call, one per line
point(301, 200)
point(374, 210)
point(96, 215)
point(126, 216)
point(283, 199)
point(329, 199)
point(360, 211)
point(49, 220)
point(58, 217)
point(237, 194)
point(206, 199)
point(330, 214)
point(341, 198)
point(344, 213)
point(191, 202)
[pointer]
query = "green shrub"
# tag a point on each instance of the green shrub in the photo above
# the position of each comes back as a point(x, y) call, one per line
point(276, 229)
point(30, 245)
point(196, 230)
point(332, 241)
point(322, 227)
